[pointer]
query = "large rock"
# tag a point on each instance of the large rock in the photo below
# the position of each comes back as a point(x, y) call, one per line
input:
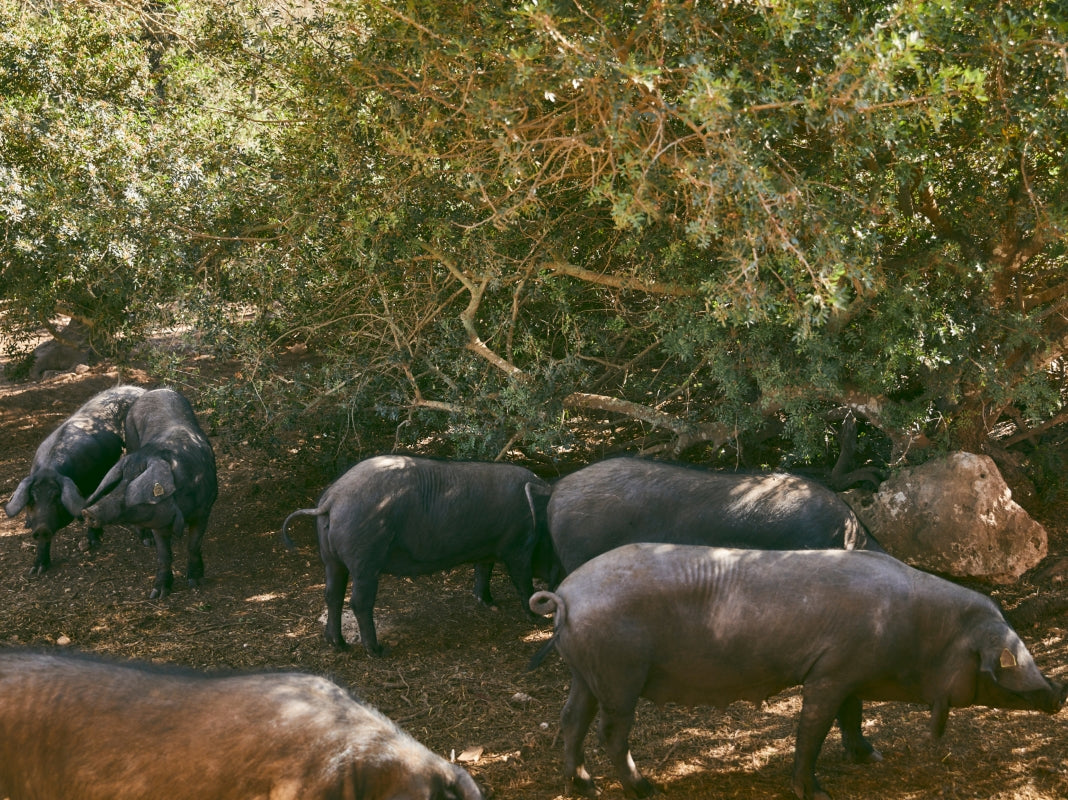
point(954, 516)
point(63, 353)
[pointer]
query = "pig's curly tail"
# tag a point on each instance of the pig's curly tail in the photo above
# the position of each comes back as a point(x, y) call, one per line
point(544, 603)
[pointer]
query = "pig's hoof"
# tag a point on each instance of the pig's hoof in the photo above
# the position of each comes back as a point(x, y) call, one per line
point(642, 788)
point(38, 569)
point(340, 645)
point(873, 757)
point(863, 753)
point(159, 593)
point(582, 786)
point(813, 792)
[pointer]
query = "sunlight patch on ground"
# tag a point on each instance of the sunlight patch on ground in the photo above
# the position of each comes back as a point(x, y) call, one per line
point(265, 598)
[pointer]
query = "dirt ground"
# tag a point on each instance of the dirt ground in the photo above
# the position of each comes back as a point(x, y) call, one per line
point(456, 678)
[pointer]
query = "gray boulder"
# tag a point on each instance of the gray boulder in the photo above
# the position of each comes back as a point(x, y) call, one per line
point(68, 350)
point(955, 516)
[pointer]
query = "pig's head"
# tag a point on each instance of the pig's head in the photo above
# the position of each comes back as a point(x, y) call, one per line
point(457, 783)
point(448, 782)
point(411, 772)
point(51, 501)
point(1008, 676)
point(138, 490)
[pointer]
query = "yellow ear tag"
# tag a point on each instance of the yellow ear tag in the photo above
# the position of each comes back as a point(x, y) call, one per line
point(158, 491)
point(1007, 659)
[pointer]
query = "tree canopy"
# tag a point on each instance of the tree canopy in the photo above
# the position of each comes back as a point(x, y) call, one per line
point(689, 225)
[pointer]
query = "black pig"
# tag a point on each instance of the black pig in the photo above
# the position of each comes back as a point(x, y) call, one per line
point(707, 625)
point(67, 467)
point(166, 483)
point(400, 515)
point(624, 500)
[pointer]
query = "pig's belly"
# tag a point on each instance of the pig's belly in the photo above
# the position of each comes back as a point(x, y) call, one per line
point(713, 684)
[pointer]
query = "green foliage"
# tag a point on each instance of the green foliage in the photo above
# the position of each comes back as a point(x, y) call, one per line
point(484, 223)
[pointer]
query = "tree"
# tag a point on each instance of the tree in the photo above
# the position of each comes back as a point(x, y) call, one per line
point(703, 223)
point(113, 164)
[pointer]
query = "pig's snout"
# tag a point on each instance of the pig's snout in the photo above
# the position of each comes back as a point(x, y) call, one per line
point(1053, 700)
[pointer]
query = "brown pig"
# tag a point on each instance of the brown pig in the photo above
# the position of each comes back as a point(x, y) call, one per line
point(82, 729)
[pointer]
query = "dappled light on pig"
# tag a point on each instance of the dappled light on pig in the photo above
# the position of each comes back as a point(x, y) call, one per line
point(167, 483)
point(84, 729)
point(700, 625)
point(620, 501)
point(67, 467)
point(400, 515)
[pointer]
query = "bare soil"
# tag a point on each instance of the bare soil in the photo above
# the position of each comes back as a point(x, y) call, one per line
point(456, 675)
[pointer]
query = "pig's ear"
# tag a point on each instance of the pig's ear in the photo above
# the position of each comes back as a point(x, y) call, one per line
point(19, 498)
point(107, 483)
point(152, 485)
point(70, 496)
point(995, 659)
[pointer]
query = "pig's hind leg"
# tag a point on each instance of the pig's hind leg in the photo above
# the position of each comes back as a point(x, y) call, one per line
point(337, 580)
point(615, 727)
point(364, 592)
point(575, 719)
point(521, 571)
point(618, 704)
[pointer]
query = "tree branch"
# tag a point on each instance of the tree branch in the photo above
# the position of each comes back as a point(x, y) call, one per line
point(1038, 299)
point(619, 281)
point(871, 408)
point(942, 226)
point(440, 405)
point(687, 434)
point(1019, 436)
point(467, 316)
